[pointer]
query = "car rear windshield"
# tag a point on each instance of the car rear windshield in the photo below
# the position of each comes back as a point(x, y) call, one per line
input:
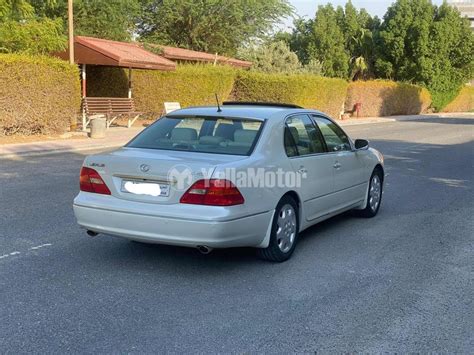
point(201, 134)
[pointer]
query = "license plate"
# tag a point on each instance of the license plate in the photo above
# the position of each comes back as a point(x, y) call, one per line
point(149, 188)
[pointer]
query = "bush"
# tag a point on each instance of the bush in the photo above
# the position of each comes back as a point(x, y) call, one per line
point(38, 95)
point(310, 91)
point(386, 98)
point(189, 85)
point(275, 57)
point(464, 102)
point(443, 92)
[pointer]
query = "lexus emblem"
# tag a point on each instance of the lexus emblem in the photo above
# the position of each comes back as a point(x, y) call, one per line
point(145, 168)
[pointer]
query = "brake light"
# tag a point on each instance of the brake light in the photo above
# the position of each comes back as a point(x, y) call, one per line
point(91, 181)
point(213, 192)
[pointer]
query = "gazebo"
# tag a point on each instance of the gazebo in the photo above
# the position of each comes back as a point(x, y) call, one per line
point(97, 51)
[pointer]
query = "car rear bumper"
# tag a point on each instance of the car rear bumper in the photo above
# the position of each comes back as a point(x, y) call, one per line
point(247, 231)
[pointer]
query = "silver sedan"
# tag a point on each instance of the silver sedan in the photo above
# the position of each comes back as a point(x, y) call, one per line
point(244, 175)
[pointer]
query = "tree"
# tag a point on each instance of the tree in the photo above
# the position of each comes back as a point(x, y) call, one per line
point(327, 43)
point(22, 31)
point(274, 57)
point(32, 36)
point(109, 19)
point(216, 26)
point(348, 21)
point(363, 54)
point(357, 27)
point(15, 10)
point(339, 39)
point(300, 39)
point(428, 45)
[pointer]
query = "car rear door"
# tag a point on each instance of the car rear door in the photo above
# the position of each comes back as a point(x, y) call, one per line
point(348, 166)
point(305, 147)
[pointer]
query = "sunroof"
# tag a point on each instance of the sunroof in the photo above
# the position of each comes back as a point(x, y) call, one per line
point(248, 103)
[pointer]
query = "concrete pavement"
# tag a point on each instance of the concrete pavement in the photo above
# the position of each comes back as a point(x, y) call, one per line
point(401, 282)
point(116, 137)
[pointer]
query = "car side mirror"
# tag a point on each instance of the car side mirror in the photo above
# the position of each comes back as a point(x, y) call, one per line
point(361, 144)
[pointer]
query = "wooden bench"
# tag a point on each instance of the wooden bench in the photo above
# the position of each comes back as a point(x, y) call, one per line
point(110, 107)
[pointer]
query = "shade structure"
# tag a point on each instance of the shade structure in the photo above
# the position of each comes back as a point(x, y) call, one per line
point(181, 54)
point(97, 51)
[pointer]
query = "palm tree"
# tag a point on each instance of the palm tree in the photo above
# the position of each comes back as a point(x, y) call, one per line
point(360, 63)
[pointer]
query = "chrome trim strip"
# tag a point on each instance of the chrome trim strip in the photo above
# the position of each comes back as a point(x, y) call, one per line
point(141, 178)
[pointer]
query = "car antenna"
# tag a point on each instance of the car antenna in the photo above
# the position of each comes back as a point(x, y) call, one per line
point(218, 106)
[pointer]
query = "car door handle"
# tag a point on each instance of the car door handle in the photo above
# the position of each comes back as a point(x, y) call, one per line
point(302, 170)
point(337, 165)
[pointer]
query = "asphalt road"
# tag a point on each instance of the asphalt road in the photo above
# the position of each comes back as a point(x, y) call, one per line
point(402, 281)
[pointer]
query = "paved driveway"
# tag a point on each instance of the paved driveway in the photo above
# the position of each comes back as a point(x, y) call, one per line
point(400, 282)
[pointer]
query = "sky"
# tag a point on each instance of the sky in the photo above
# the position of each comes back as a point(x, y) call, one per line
point(374, 7)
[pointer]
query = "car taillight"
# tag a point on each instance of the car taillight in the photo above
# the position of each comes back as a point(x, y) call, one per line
point(213, 192)
point(90, 181)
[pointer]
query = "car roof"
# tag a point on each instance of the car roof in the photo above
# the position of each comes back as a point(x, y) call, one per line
point(241, 111)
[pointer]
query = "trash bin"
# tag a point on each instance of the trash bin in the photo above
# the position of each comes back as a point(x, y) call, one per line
point(98, 126)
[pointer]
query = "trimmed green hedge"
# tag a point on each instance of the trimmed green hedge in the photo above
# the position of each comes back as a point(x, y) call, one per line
point(464, 102)
point(38, 95)
point(189, 85)
point(386, 98)
point(310, 91)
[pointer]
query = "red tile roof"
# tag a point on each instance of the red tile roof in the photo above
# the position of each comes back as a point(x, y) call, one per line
point(175, 53)
point(90, 50)
point(97, 51)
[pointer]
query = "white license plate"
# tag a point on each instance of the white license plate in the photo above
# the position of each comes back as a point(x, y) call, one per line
point(149, 188)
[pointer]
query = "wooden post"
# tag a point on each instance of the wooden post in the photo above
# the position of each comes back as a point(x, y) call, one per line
point(70, 30)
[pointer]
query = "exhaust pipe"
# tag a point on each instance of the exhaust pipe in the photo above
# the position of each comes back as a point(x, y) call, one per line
point(204, 249)
point(92, 234)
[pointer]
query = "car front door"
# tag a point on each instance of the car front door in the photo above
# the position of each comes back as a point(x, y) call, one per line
point(348, 166)
point(306, 149)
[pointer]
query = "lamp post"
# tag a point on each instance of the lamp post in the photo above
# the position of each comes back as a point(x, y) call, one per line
point(70, 30)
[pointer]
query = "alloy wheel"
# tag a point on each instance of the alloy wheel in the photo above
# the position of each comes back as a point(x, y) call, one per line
point(286, 228)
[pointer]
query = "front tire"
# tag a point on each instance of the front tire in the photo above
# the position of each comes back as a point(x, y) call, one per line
point(374, 195)
point(284, 235)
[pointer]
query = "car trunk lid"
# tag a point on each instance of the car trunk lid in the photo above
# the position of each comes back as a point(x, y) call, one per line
point(154, 176)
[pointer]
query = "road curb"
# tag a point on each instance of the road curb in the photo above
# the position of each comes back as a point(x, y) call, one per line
point(355, 123)
point(40, 153)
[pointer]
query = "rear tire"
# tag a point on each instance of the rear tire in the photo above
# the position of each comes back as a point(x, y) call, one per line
point(284, 234)
point(374, 195)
